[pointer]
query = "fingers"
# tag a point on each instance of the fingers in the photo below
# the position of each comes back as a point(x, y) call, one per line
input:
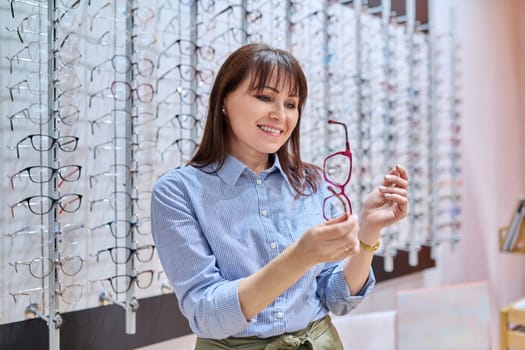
point(337, 228)
point(401, 171)
point(397, 195)
point(335, 220)
point(397, 198)
point(393, 190)
point(395, 180)
point(342, 247)
point(330, 242)
point(397, 177)
point(338, 238)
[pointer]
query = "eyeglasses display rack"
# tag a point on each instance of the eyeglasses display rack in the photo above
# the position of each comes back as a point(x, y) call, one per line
point(99, 98)
point(445, 139)
point(130, 303)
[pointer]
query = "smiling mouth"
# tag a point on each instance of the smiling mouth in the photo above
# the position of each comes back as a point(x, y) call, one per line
point(270, 130)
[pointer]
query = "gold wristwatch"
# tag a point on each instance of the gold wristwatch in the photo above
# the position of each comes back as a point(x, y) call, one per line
point(369, 248)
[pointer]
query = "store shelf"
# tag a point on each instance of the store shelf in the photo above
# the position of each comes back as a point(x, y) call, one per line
point(512, 237)
point(512, 323)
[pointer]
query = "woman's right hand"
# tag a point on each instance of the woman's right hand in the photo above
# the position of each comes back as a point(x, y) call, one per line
point(330, 241)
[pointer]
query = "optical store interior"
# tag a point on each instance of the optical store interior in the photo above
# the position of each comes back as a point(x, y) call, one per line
point(99, 98)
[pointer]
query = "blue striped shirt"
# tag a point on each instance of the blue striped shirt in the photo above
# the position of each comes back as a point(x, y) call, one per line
point(213, 228)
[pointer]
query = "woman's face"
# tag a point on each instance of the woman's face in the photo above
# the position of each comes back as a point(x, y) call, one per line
point(260, 121)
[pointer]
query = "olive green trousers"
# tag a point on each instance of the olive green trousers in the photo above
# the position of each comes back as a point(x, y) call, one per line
point(319, 335)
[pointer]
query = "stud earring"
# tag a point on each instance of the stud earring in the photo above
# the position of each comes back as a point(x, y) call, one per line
point(223, 110)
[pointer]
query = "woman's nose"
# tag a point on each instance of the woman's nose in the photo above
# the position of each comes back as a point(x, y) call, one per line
point(277, 113)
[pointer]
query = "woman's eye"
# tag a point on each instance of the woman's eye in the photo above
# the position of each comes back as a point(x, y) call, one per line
point(290, 105)
point(263, 98)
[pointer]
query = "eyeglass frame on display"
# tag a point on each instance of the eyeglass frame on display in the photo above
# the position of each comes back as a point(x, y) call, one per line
point(60, 292)
point(55, 201)
point(26, 112)
point(208, 55)
point(132, 225)
point(133, 115)
point(205, 75)
point(64, 178)
point(132, 278)
point(130, 171)
point(111, 199)
point(43, 229)
point(55, 140)
point(52, 265)
point(130, 253)
point(129, 65)
point(129, 95)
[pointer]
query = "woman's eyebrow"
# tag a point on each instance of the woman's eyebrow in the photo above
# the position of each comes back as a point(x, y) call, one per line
point(277, 90)
point(271, 88)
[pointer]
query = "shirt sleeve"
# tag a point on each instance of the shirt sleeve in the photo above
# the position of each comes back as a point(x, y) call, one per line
point(333, 290)
point(209, 302)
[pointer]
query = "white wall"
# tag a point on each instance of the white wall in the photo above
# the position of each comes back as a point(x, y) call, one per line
point(492, 37)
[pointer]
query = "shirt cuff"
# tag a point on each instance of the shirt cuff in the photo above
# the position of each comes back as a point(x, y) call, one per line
point(342, 292)
point(227, 311)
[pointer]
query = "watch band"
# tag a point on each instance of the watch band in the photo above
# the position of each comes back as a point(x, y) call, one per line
point(369, 248)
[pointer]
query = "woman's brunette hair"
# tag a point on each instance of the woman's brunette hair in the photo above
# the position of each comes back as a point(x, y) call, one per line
point(258, 62)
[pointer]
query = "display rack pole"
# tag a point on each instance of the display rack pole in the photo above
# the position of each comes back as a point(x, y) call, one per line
point(326, 74)
point(288, 15)
point(413, 245)
point(131, 303)
point(194, 36)
point(54, 320)
point(358, 9)
point(386, 16)
point(432, 122)
point(454, 116)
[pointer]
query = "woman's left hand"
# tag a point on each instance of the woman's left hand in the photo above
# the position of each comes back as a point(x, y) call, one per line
point(387, 203)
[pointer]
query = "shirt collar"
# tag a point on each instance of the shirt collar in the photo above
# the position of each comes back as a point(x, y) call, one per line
point(233, 168)
point(277, 167)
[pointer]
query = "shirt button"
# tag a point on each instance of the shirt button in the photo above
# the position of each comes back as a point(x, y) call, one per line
point(273, 245)
point(264, 212)
point(279, 315)
point(258, 181)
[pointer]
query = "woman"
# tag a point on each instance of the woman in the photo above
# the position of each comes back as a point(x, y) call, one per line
point(240, 230)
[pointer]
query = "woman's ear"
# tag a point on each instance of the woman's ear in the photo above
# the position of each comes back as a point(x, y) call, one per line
point(223, 108)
